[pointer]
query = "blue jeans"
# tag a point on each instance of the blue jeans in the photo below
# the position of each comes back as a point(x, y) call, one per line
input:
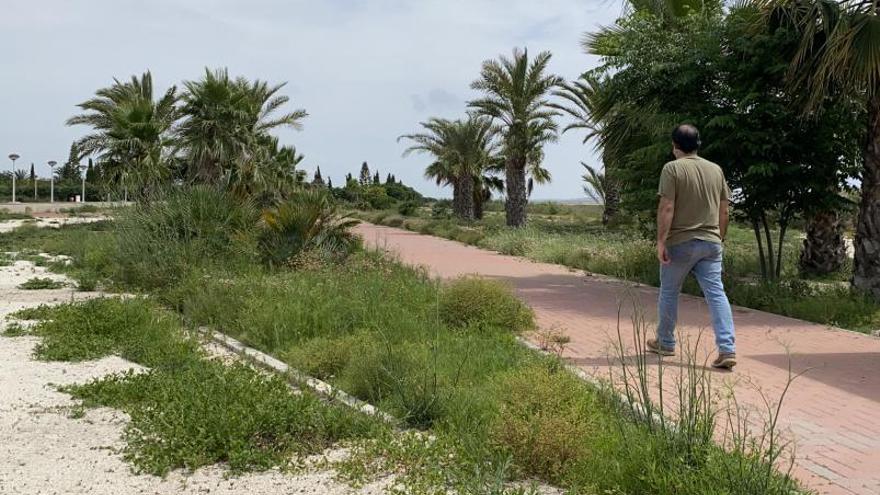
point(703, 259)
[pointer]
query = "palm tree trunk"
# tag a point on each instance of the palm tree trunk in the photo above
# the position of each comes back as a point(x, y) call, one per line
point(866, 273)
point(824, 250)
point(456, 198)
point(515, 206)
point(612, 201)
point(466, 194)
point(611, 194)
point(479, 199)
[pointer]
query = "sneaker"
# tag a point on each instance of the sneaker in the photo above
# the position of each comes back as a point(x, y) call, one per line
point(725, 360)
point(657, 348)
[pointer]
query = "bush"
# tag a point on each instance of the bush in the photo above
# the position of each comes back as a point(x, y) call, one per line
point(393, 221)
point(484, 304)
point(467, 236)
point(133, 329)
point(400, 378)
point(307, 221)
point(440, 210)
point(324, 357)
point(41, 283)
point(544, 420)
point(407, 208)
point(161, 240)
point(377, 198)
point(205, 412)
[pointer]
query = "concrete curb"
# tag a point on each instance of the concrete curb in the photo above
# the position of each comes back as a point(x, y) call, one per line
point(321, 388)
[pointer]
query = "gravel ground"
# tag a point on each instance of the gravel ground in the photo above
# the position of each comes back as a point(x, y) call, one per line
point(10, 225)
point(45, 451)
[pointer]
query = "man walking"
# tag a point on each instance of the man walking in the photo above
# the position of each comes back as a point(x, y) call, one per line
point(691, 225)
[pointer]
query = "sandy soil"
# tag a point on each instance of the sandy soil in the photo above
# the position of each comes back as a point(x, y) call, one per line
point(10, 225)
point(45, 451)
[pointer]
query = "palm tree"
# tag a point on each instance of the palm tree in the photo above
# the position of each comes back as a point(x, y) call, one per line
point(824, 249)
point(840, 51)
point(270, 174)
point(306, 221)
point(596, 184)
point(586, 100)
point(515, 96)
point(463, 150)
point(484, 186)
point(131, 131)
point(226, 124)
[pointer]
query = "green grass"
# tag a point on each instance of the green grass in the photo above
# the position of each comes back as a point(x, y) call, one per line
point(576, 238)
point(91, 245)
point(444, 358)
point(133, 329)
point(41, 283)
point(379, 331)
point(186, 411)
point(7, 215)
point(207, 412)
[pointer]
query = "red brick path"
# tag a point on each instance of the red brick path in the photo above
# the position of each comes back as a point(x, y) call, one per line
point(833, 412)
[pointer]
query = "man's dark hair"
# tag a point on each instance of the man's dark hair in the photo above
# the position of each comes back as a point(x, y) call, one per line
point(686, 138)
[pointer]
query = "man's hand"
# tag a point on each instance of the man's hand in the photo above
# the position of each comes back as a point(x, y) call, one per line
point(663, 254)
point(665, 212)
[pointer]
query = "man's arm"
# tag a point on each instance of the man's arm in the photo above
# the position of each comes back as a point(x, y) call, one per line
point(723, 217)
point(665, 211)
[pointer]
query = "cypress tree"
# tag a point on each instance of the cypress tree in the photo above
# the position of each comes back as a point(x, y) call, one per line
point(34, 179)
point(365, 174)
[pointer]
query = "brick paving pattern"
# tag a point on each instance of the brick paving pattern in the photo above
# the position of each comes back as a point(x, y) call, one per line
point(832, 412)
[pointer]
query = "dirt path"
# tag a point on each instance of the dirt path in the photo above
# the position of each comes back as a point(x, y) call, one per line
point(833, 412)
point(45, 451)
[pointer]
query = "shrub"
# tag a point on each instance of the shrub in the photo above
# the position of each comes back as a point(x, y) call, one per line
point(323, 357)
point(205, 412)
point(377, 198)
point(133, 329)
point(399, 377)
point(407, 208)
point(440, 210)
point(394, 221)
point(544, 420)
point(484, 304)
point(87, 282)
point(41, 283)
point(466, 236)
point(307, 221)
point(161, 240)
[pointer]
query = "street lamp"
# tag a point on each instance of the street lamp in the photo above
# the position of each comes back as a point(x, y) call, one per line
point(52, 164)
point(13, 157)
point(83, 168)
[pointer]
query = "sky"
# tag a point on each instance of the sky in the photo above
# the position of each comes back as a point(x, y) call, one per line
point(366, 71)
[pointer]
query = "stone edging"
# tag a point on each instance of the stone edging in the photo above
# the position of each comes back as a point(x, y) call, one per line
point(319, 387)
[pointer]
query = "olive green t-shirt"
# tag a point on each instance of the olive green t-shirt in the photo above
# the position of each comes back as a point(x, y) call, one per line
point(697, 187)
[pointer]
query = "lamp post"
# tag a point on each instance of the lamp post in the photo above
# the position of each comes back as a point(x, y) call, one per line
point(52, 164)
point(13, 157)
point(83, 168)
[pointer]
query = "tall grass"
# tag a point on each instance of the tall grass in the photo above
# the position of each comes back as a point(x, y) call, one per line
point(703, 430)
point(161, 240)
